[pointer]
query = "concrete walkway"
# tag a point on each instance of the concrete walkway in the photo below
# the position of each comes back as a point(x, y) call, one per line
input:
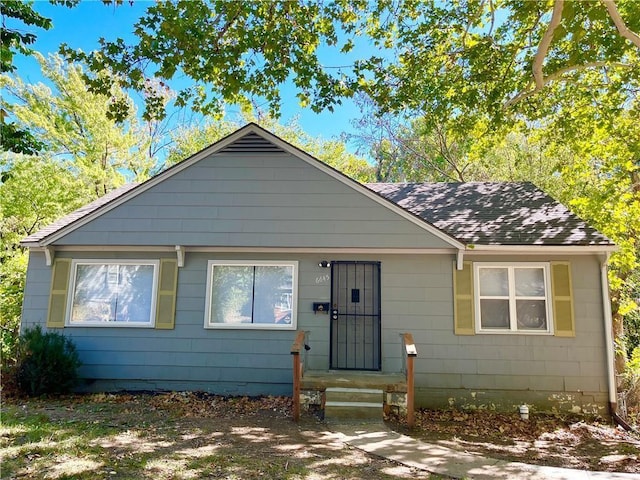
point(377, 439)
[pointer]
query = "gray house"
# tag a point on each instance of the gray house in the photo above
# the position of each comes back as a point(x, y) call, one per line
point(199, 278)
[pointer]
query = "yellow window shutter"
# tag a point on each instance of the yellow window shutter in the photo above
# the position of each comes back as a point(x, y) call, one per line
point(562, 299)
point(59, 289)
point(463, 312)
point(168, 284)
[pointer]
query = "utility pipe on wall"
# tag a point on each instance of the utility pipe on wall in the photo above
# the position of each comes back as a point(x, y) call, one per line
point(608, 334)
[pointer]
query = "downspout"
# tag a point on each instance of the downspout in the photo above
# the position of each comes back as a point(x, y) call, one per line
point(608, 334)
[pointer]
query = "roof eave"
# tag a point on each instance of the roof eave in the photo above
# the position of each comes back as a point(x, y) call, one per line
point(222, 144)
point(546, 249)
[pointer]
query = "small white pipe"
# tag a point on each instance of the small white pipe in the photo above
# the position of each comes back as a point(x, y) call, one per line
point(608, 331)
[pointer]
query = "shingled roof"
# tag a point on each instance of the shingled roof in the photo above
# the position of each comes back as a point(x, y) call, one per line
point(78, 214)
point(460, 213)
point(486, 213)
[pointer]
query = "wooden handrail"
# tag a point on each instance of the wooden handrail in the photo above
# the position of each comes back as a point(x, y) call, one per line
point(411, 352)
point(298, 343)
point(298, 367)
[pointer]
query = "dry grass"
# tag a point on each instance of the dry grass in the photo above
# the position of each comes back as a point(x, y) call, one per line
point(175, 436)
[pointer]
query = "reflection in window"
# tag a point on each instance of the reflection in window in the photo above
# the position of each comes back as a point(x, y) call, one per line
point(512, 298)
point(251, 295)
point(112, 293)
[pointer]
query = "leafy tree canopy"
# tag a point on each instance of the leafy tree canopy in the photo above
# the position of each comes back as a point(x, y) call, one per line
point(16, 15)
point(442, 58)
point(72, 124)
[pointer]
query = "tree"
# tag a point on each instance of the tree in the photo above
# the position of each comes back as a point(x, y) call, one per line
point(14, 41)
point(72, 124)
point(25, 207)
point(443, 59)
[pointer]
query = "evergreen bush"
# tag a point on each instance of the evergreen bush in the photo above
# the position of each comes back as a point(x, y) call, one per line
point(48, 363)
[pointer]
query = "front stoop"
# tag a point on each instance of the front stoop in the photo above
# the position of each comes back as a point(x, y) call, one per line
point(353, 403)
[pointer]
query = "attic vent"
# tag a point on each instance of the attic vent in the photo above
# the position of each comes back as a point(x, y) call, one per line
point(253, 143)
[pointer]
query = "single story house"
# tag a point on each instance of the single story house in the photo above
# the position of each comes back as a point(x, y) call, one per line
point(199, 278)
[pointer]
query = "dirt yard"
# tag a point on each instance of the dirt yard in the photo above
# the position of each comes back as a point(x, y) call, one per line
point(559, 441)
point(193, 435)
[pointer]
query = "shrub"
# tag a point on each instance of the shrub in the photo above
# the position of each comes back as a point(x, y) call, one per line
point(48, 363)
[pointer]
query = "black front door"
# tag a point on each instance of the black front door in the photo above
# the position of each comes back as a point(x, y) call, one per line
point(355, 315)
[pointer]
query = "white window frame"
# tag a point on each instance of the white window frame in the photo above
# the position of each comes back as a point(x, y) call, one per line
point(252, 263)
point(72, 287)
point(513, 321)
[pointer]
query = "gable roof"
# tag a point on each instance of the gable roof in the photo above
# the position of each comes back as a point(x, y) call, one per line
point(249, 139)
point(462, 214)
point(488, 213)
point(77, 215)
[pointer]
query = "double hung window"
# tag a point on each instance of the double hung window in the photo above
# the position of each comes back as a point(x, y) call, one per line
point(512, 298)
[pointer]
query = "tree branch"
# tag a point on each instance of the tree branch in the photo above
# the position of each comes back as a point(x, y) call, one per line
point(619, 22)
point(472, 19)
point(543, 47)
point(528, 91)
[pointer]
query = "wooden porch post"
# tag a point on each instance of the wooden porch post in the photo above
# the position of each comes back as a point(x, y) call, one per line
point(411, 352)
point(297, 373)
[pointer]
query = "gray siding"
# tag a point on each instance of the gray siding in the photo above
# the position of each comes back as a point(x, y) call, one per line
point(417, 297)
point(265, 200)
point(507, 370)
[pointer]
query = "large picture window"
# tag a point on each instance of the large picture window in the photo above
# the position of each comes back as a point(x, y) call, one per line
point(251, 295)
point(512, 298)
point(105, 293)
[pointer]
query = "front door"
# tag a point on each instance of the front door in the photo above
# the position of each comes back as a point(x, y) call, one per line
point(355, 315)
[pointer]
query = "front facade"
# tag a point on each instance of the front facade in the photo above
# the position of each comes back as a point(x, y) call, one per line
point(198, 279)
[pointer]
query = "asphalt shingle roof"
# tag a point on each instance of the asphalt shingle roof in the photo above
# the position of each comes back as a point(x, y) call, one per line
point(479, 213)
point(487, 213)
point(78, 214)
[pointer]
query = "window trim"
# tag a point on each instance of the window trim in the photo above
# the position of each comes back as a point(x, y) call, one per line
point(72, 286)
point(511, 266)
point(252, 326)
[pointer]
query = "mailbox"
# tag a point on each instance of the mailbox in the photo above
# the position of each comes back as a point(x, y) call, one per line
point(321, 307)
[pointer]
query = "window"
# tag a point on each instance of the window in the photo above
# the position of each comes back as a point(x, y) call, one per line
point(512, 298)
point(105, 293)
point(251, 295)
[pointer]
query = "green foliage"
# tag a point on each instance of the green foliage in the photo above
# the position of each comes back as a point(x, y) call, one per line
point(16, 15)
point(25, 207)
point(445, 59)
point(87, 155)
point(15, 39)
point(73, 124)
point(634, 361)
point(13, 271)
point(48, 363)
point(14, 139)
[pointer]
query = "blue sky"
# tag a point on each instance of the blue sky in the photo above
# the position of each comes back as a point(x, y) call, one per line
point(82, 26)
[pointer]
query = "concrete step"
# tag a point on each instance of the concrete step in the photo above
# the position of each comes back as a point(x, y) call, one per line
point(342, 394)
point(353, 403)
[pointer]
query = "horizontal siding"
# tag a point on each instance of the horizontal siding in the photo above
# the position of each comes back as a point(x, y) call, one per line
point(416, 297)
point(36, 292)
point(268, 200)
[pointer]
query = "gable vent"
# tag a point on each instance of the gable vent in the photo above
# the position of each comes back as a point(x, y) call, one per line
point(252, 143)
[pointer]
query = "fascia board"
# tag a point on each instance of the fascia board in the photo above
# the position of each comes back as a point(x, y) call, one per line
point(540, 249)
point(253, 249)
point(195, 158)
point(220, 145)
